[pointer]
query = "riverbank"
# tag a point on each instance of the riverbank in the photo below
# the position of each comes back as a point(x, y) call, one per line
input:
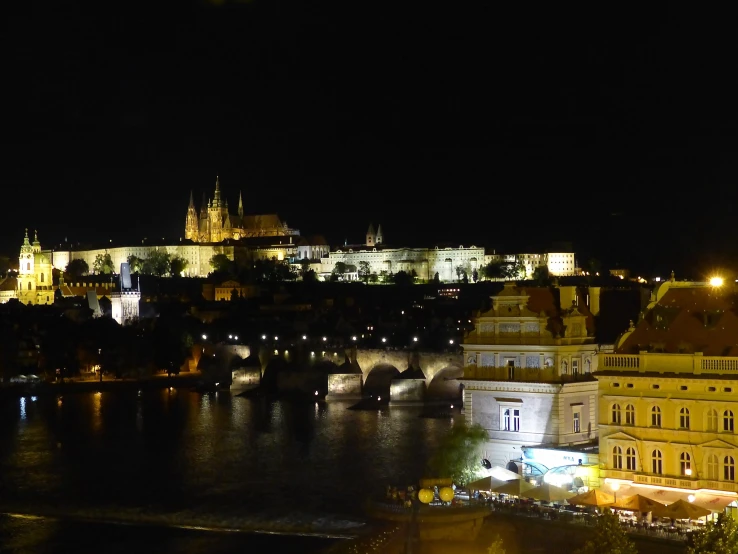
point(15, 390)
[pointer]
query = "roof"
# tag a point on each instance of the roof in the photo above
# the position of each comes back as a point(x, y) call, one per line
point(688, 319)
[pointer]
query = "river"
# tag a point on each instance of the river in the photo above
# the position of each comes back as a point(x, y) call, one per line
point(181, 471)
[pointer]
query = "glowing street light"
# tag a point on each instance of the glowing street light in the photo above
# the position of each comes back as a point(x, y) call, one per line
point(415, 339)
point(691, 497)
point(304, 337)
point(325, 339)
point(450, 341)
point(263, 337)
point(353, 338)
point(230, 336)
point(384, 339)
point(204, 337)
point(716, 281)
point(615, 488)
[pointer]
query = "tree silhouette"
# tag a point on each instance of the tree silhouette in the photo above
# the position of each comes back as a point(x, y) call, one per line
point(716, 537)
point(458, 453)
point(103, 264)
point(609, 537)
point(76, 269)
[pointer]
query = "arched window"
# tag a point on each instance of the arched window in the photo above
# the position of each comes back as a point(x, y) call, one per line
point(28, 266)
point(684, 418)
point(657, 462)
point(42, 277)
point(685, 464)
point(655, 416)
point(712, 466)
point(630, 414)
point(615, 414)
point(617, 457)
point(29, 285)
point(728, 421)
point(728, 468)
point(712, 420)
point(630, 459)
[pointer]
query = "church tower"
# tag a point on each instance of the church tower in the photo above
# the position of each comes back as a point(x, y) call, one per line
point(371, 236)
point(380, 237)
point(26, 273)
point(217, 213)
point(191, 224)
point(125, 301)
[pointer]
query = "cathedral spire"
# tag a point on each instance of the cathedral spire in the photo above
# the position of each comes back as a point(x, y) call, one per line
point(216, 197)
point(192, 200)
point(240, 204)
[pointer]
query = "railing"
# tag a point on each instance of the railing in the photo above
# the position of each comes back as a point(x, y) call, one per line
point(522, 374)
point(659, 362)
point(535, 340)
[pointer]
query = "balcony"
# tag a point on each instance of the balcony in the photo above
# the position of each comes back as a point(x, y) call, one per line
point(533, 340)
point(671, 481)
point(522, 374)
point(660, 362)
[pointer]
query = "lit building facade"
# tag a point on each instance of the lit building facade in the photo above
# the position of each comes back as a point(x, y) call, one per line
point(427, 262)
point(34, 283)
point(668, 403)
point(528, 373)
point(215, 223)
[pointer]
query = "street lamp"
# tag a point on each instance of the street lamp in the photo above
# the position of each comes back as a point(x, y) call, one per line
point(615, 488)
point(716, 281)
point(384, 339)
point(204, 337)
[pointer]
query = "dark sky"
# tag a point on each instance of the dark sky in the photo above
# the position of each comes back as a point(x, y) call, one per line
point(615, 131)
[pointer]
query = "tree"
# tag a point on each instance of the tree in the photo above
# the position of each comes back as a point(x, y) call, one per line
point(135, 263)
point(609, 537)
point(475, 275)
point(459, 453)
point(339, 270)
point(460, 272)
point(221, 264)
point(77, 268)
point(497, 546)
point(364, 271)
point(157, 263)
point(177, 266)
point(717, 537)
point(402, 278)
point(103, 264)
point(541, 275)
point(492, 270)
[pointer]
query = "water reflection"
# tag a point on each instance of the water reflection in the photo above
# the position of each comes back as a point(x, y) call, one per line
point(205, 455)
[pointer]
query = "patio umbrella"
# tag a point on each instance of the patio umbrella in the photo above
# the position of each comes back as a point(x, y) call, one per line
point(485, 484)
point(548, 492)
point(593, 497)
point(681, 509)
point(516, 487)
point(637, 503)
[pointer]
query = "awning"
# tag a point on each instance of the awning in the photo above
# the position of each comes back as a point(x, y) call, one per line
point(714, 502)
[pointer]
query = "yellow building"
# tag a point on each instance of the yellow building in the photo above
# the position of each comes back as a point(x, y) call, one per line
point(668, 399)
point(34, 282)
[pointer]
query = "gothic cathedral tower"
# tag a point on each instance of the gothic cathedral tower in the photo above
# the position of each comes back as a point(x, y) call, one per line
point(26, 273)
point(191, 225)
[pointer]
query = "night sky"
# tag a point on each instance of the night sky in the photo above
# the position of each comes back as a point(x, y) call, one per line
point(615, 131)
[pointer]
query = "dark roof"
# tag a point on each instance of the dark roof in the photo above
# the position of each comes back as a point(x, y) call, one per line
point(688, 319)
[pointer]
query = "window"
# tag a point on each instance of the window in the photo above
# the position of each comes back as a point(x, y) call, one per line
point(710, 389)
point(630, 414)
point(712, 466)
point(728, 468)
point(727, 389)
point(655, 416)
point(684, 418)
point(655, 386)
point(629, 386)
point(683, 387)
point(728, 421)
point(712, 420)
point(630, 459)
point(685, 464)
point(617, 457)
point(42, 277)
point(29, 285)
point(577, 421)
point(657, 462)
point(28, 266)
point(575, 367)
point(616, 385)
point(615, 414)
point(510, 419)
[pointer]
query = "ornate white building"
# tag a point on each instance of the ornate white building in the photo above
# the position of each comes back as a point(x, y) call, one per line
point(668, 403)
point(426, 262)
point(527, 378)
point(34, 282)
point(126, 299)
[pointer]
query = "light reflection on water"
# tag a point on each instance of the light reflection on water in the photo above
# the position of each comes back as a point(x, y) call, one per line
point(204, 456)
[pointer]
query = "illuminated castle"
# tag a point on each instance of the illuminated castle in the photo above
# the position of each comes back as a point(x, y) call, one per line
point(216, 224)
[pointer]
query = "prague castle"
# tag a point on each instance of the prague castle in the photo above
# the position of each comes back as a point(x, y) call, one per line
point(216, 224)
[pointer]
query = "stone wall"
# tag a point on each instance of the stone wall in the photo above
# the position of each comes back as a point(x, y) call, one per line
point(344, 386)
point(407, 391)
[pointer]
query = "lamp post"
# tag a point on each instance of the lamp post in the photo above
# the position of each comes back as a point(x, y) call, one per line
point(615, 488)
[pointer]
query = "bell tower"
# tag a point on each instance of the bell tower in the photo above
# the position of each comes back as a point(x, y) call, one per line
point(26, 272)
